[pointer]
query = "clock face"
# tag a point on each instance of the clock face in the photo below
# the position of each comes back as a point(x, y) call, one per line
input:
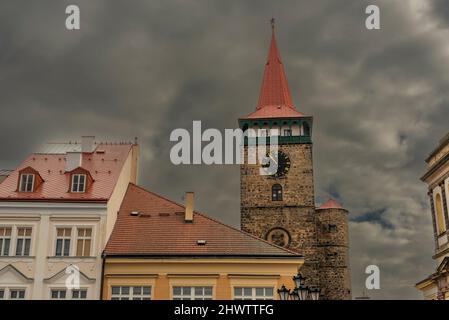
point(273, 160)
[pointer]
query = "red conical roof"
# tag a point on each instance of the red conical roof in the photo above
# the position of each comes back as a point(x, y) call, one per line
point(275, 100)
point(274, 91)
point(331, 204)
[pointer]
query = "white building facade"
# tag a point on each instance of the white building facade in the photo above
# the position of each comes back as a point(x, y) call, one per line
point(436, 286)
point(55, 224)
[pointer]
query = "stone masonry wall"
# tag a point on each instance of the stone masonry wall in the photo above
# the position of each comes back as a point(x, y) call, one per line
point(335, 279)
point(325, 253)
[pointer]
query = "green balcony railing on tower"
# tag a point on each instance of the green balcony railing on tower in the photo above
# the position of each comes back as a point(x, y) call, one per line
point(252, 141)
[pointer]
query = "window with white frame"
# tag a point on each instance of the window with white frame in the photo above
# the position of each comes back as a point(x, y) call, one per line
point(63, 294)
point(287, 132)
point(26, 182)
point(23, 241)
point(83, 242)
point(5, 240)
point(253, 293)
point(58, 294)
point(78, 183)
point(16, 294)
point(192, 293)
point(63, 237)
point(131, 293)
point(7, 293)
point(79, 294)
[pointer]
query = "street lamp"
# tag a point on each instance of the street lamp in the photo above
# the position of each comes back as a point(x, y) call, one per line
point(294, 294)
point(300, 292)
point(299, 280)
point(314, 293)
point(283, 293)
point(303, 292)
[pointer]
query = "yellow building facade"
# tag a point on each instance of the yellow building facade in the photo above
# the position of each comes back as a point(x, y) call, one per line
point(225, 277)
point(160, 250)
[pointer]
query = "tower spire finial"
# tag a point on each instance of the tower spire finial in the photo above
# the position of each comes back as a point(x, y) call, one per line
point(272, 21)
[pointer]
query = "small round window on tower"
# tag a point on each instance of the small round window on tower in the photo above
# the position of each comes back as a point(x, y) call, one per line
point(279, 237)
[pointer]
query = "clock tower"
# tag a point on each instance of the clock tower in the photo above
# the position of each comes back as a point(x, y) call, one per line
point(279, 206)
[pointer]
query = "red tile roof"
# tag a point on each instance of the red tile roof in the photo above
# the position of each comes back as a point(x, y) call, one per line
point(331, 204)
point(160, 230)
point(275, 99)
point(104, 168)
point(274, 112)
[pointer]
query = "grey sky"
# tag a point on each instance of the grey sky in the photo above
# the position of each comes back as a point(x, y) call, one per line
point(143, 68)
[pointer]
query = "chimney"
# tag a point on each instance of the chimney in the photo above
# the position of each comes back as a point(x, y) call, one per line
point(189, 199)
point(73, 160)
point(87, 144)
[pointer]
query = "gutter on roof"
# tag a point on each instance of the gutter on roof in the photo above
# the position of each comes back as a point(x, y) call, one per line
point(198, 256)
point(101, 200)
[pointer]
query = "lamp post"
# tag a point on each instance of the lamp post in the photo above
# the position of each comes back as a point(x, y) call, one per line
point(294, 294)
point(300, 292)
point(283, 293)
point(315, 293)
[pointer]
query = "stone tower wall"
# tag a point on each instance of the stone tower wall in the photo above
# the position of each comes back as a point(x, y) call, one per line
point(295, 214)
point(333, 242)
point(321, 236)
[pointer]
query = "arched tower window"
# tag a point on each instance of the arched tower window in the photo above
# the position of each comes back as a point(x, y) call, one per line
point(306, 129)
point(439, 213)
point(276, 192)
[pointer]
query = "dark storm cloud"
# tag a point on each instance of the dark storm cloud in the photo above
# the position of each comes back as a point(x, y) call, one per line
point(143, 68)
point(440, 9)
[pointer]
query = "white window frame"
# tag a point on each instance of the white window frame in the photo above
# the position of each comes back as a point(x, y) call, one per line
point(253, 295)
point(80, 290)
point(193, 295)
point(73, 226)
point(24, 238)
point(131, 295)
point(59, 290)
point(70, 238)
point(83, 238)
point(22, 187)
point(75, 187)
point(7, 292)
point(68, 292)
point(4, 237)
point(289, 131)
point(17, 289)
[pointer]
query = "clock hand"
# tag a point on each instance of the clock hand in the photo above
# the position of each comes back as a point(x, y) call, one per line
point(271, 157)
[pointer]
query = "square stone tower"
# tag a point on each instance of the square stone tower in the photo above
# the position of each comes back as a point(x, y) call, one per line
point(279, 206)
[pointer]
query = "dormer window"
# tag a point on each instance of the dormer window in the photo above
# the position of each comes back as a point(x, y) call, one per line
point(26, 182)
point(78, 183)
point(29, 180)
point(80, 180)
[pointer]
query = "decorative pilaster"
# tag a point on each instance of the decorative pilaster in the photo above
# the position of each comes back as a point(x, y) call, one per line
point(445, 210)
point(432, 210)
